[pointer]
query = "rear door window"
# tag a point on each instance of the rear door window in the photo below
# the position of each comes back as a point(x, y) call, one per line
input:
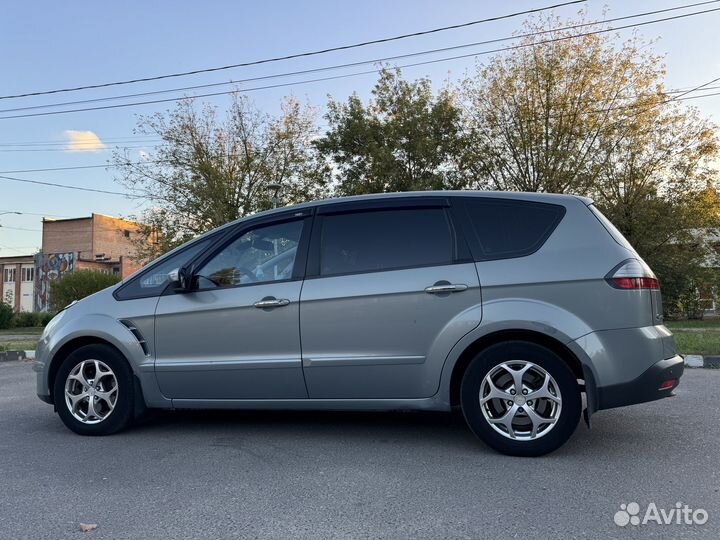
point(372, 241)
point(507, 228)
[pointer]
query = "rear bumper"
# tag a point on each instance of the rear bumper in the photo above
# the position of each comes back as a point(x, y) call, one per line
point(644, 388)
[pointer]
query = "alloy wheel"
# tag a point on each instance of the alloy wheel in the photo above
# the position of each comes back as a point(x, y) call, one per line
point(520, 400)
point(91, 391)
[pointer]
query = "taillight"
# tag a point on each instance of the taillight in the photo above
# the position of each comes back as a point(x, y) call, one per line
point(632, 274)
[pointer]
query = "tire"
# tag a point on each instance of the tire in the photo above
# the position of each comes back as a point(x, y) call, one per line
point(113, 394)
point(510, 421)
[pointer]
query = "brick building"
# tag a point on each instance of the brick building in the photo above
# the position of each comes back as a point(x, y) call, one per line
point(97, 242)
point(17, 279)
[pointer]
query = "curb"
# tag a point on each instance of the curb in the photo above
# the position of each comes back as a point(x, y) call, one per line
point(699, 361)
point(12, 356)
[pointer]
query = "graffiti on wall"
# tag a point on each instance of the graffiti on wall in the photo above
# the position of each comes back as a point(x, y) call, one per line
point(49, 267)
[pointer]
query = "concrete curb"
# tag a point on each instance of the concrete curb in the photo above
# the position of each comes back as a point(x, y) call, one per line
point(699, 361)
point(11, 356)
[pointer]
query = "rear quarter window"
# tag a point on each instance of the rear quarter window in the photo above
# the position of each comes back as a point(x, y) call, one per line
point(507, 228)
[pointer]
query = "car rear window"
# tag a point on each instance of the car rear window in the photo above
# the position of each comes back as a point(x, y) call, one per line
point(507, 228)
point(384, 240)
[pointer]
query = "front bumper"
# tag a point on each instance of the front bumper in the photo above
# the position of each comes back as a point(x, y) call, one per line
point(644, 388)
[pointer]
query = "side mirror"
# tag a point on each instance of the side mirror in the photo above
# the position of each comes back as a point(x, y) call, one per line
point(182, 278)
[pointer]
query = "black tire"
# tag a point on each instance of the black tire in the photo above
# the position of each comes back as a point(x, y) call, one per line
point(566, 381)
point(122, 413)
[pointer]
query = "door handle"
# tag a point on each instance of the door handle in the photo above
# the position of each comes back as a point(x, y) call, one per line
point(446, 288)
point(271, 302)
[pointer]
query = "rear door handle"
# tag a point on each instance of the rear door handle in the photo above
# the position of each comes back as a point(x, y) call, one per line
point(271, 302)
point(446, 288)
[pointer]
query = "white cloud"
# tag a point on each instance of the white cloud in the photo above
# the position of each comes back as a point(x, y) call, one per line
point(144, 156)
point(83, 141)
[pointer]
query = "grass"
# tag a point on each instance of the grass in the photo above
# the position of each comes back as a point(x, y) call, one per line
point(709, 324)
point(25, 340)
point(31, 331)
point(17, 345)
point(696, 337)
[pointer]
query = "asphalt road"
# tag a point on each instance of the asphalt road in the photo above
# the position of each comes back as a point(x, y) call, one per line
point(216, 475)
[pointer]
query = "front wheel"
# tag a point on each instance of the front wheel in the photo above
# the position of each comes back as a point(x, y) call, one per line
point(94, 391)
point(520, 399)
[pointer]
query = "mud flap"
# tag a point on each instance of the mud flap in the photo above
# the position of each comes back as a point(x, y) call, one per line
point(591, 398)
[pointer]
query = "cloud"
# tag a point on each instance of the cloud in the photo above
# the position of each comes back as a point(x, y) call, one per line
point(144, 156)
point(83, 141)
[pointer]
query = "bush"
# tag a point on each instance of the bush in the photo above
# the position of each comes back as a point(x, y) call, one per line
point(45, 318)
point(6, 315)
point(26, 319)
point(77, 285)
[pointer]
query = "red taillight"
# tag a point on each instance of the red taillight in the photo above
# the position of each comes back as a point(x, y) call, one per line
point(632, 274)
point(667, 385)
point(635, 283)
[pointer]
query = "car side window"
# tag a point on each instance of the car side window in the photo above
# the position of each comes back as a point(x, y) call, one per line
point(153, 281)
point(371, 241)
point(260, 255)
point(507, 228)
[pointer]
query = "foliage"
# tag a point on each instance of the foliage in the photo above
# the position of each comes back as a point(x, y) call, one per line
point(571, 111)
point(27, 319)
point(77, 285)
point(591, 117)
point(208, 171)
point(404, 139)
point(6, 315)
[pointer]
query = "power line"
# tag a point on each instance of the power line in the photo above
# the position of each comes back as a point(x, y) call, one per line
point(345, 65)
point(79, 167)
point(321, 79)
point(19, 228)
point(295, 55)
point(69, 149)
point(66, 186)
point(79, 143)
point(682, 97)
point(35, 214)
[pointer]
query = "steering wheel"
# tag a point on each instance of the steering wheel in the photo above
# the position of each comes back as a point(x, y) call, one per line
point(246, 272)
point(239, 269)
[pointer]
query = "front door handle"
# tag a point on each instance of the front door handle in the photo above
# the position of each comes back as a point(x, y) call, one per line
point(271, 302)
point(444, 288)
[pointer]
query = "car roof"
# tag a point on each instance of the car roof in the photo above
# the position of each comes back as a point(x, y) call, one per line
point(516, 195)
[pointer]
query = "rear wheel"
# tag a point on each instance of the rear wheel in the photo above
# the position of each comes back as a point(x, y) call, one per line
point(520, 398)
point(94, 391)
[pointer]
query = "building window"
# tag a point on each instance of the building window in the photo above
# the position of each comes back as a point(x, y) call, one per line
point(9, 275)
point(126, 233)
point(27, 274)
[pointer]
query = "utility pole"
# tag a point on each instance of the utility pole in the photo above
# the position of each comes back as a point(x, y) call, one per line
point(274, 189)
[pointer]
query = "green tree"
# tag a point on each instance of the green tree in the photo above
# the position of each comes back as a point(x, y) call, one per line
point(586, 115)
point(208, 171)
point(404, 139)
point(77, 285)
point(6, 315)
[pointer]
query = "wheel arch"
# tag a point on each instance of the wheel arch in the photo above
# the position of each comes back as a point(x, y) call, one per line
point(68, 348)
point(500, 336)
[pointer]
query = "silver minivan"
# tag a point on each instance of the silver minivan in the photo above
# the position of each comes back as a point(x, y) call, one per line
point(508, 306)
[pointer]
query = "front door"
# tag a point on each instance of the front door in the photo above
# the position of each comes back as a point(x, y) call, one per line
point(237, 335)
point(391, 294)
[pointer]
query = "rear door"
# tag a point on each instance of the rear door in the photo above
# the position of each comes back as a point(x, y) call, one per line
point(381, 306)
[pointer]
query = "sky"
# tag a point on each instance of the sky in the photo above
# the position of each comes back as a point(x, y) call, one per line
point(46, 45)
